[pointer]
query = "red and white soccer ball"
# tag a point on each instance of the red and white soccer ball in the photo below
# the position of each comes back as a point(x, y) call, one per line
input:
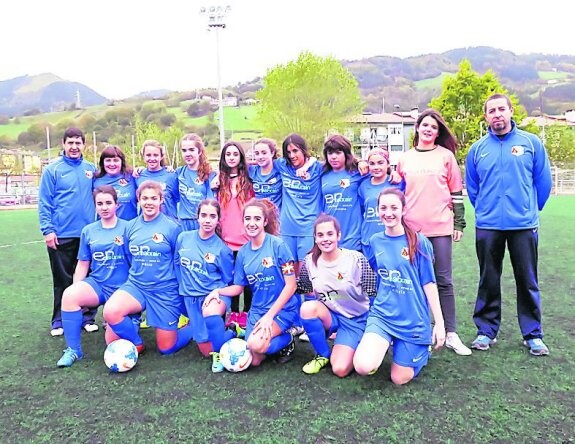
point(121, 356)
point(235, 355)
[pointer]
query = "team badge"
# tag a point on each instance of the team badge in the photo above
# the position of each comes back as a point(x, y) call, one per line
point(344, 183)
point(272, 180)
point(209, 258)
point(89, 174)
point(158, 237)
point(405, 253)
point(267, 262)
point(288, 269)
point(197, 181)
point(123, 182)
point(119, 240)
point(339, 276)
point(517, 150)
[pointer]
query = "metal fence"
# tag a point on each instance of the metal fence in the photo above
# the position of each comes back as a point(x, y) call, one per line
point(563, 175)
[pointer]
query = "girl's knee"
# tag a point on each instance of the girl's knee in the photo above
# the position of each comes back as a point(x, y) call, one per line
point(401, 376)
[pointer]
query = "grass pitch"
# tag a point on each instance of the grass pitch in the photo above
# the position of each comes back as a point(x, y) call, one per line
point(503, 395)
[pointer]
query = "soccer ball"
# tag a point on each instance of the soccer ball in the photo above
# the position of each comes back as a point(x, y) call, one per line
point(120, 356)
point(235, 355)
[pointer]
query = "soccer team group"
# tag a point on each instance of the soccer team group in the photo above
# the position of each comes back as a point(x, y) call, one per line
point(339, 249)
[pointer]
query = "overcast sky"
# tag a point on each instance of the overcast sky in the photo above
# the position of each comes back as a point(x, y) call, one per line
point(122, 47)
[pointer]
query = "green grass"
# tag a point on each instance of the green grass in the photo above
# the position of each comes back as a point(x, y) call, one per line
point(553, 75)
point(432, 83)
point(503, 395)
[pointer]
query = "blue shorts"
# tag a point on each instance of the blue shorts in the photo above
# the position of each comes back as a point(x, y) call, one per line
point(163, 307)
point(406, 354)
point(285, 319)
point(349, 330)
point(197, 322)
point(299, 246)
point(103, 291)
point(189, 224)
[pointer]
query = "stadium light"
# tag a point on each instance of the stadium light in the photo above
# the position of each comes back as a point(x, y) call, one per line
point(216, 15)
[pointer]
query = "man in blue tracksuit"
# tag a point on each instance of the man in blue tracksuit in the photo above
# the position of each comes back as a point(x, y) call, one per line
point(65, 206)
point(508, 182)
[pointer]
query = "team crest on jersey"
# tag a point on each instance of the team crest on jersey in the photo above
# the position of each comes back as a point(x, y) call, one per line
point(288, 269)
point(210, 258)
point(405, 253)
point(517, 150)
point(123, 182)
point(267, 262)
point(158, 237)
point(119, 240)
point(273, 180)
point(344, 183)
point(89, 174)
point(339, 276)
point(197, 181)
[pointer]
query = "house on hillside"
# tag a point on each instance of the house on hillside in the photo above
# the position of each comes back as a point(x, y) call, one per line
point(546, 119)
point(391, 131)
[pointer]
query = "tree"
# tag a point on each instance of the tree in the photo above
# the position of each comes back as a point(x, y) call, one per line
point(309, 96)
point(461, 104)
point(560, 143)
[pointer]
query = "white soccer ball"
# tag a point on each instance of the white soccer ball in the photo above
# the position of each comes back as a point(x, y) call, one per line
point(235, 355)
point(120, 356)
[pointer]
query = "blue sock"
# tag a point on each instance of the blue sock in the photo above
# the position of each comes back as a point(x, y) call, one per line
point(185, 335)
point(217, 333)
point(317, 336)
point(278, 343)
point(72, 325)
point(126, 329)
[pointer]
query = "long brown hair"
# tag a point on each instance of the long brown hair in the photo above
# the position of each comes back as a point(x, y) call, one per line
point(204, 168)
point(270, 212)
point(321, 219)
point(337, 142)
point(410, 233)
point(445, 137)
point(244, 185)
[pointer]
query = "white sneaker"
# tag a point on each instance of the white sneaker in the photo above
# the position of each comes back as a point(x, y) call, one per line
point(295, 331)
point(91, 328)
point(304, 337)
point(454, 343)
point(59, 331)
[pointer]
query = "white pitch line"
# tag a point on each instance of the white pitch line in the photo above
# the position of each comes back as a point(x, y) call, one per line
point(32, 242)
point(23, 243)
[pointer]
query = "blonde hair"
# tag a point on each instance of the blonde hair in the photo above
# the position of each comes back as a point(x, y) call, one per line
point(150, 185)
point(155, 144)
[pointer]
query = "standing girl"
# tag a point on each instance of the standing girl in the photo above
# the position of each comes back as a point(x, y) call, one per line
point(340, 183)
point(154, 153)
point(204, 262)
point(369, 189)
point(104, 255)
point(266, 265)
point(193, 180)
point(406, 293)
point(433, 192)
point(341, 280)
point(235, 189)
point(113, 170)
point(265, 176)
point(152, 283)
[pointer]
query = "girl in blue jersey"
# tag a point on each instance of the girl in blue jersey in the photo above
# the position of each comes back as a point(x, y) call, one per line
point(369, 189)
point(152, 284)
point(153, 153)
point(340, 183)
point(113, 170)
point(406, 294)
point(204, 262)
point(104, 255)
point(193, 180)
point(341, 281)
point(266, 265)
point(266, 178)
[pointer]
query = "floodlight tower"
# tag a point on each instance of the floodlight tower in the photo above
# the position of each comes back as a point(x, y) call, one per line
point(216, 16)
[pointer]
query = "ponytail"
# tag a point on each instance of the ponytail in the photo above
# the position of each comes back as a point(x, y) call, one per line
point(270, 212)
